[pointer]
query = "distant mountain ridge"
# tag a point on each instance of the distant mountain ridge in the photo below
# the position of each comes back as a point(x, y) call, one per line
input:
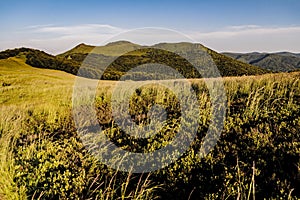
point(71, 60)
point(278, 62)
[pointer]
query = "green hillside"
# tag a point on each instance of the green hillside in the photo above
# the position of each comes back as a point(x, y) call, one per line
point(226, 65)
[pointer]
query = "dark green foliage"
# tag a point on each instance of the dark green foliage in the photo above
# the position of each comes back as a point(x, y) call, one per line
point(14, 52)
point(148, 55)
point(43, 60)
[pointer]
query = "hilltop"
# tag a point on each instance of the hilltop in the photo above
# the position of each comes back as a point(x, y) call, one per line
point(110, 49)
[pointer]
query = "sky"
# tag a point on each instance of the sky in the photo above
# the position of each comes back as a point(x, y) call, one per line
point(223, 25)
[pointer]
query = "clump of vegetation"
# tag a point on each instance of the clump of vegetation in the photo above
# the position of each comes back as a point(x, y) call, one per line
point(51, 163)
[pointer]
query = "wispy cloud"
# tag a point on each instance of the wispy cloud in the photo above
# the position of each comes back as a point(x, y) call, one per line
point(243, 27)
point(79, 29)
point(245, 38)
point(56, 39)
point(252, 38)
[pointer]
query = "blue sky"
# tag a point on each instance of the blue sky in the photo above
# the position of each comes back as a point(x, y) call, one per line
point(224, 25)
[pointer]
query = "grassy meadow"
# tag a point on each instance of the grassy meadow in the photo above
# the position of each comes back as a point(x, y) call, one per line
point(42, 157)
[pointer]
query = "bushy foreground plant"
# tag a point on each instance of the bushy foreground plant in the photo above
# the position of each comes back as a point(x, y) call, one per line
point(51, 163)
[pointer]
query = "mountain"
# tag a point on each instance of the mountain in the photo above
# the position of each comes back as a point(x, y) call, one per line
point(71, 60)
point(278, 62)
point(226, 65)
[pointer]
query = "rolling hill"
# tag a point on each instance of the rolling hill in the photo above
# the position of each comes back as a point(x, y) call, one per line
point(226, 65)
point(279, 62)
point(71, 60)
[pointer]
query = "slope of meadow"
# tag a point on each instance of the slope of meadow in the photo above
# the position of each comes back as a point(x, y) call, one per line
point(43, 158)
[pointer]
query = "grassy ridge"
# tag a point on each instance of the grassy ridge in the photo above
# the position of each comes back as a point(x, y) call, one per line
point(42, 156)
